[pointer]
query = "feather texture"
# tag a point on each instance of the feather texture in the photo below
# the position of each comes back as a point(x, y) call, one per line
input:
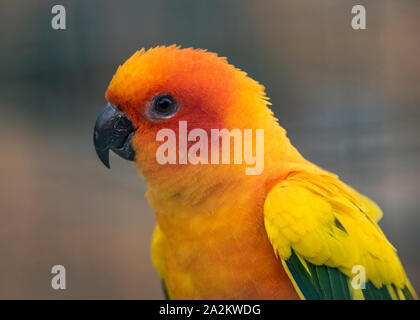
point(321, 229)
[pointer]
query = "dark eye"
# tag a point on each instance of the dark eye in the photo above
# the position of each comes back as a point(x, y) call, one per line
point(162, 106)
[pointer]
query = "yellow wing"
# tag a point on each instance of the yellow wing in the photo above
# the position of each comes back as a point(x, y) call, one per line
point(321, 229)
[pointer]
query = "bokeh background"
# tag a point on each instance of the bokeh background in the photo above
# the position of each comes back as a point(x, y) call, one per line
point(349, 100)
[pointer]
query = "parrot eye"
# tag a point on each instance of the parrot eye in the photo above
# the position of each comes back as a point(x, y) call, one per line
point(162, 106)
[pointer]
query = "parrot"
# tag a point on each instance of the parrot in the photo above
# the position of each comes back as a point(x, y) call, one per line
point(293, 231)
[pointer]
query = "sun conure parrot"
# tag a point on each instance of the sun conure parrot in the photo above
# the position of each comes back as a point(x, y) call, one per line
point(293, 231)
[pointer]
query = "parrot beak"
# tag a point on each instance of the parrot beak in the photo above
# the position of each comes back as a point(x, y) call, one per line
point(113, 130)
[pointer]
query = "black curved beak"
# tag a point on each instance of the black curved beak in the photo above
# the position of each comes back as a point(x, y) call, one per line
point(113, 130)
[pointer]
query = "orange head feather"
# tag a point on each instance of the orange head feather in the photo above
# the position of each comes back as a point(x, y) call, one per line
point(204, 84)
point(211, 93)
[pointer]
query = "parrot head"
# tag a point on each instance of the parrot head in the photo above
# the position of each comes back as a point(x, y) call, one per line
point(157, 89)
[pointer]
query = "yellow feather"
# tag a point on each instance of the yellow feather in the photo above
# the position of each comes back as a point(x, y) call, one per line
point(327, 222)
point(157, 252)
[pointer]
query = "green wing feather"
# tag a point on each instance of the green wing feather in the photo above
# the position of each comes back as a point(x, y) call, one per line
point(321, 229)
point(165, 290)
point(320, 282)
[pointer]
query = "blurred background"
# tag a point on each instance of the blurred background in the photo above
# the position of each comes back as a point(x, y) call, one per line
point(350, 101)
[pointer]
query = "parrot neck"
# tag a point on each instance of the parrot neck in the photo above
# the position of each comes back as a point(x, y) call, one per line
point(191, 185)
point(209, 217)
point(211, 234)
